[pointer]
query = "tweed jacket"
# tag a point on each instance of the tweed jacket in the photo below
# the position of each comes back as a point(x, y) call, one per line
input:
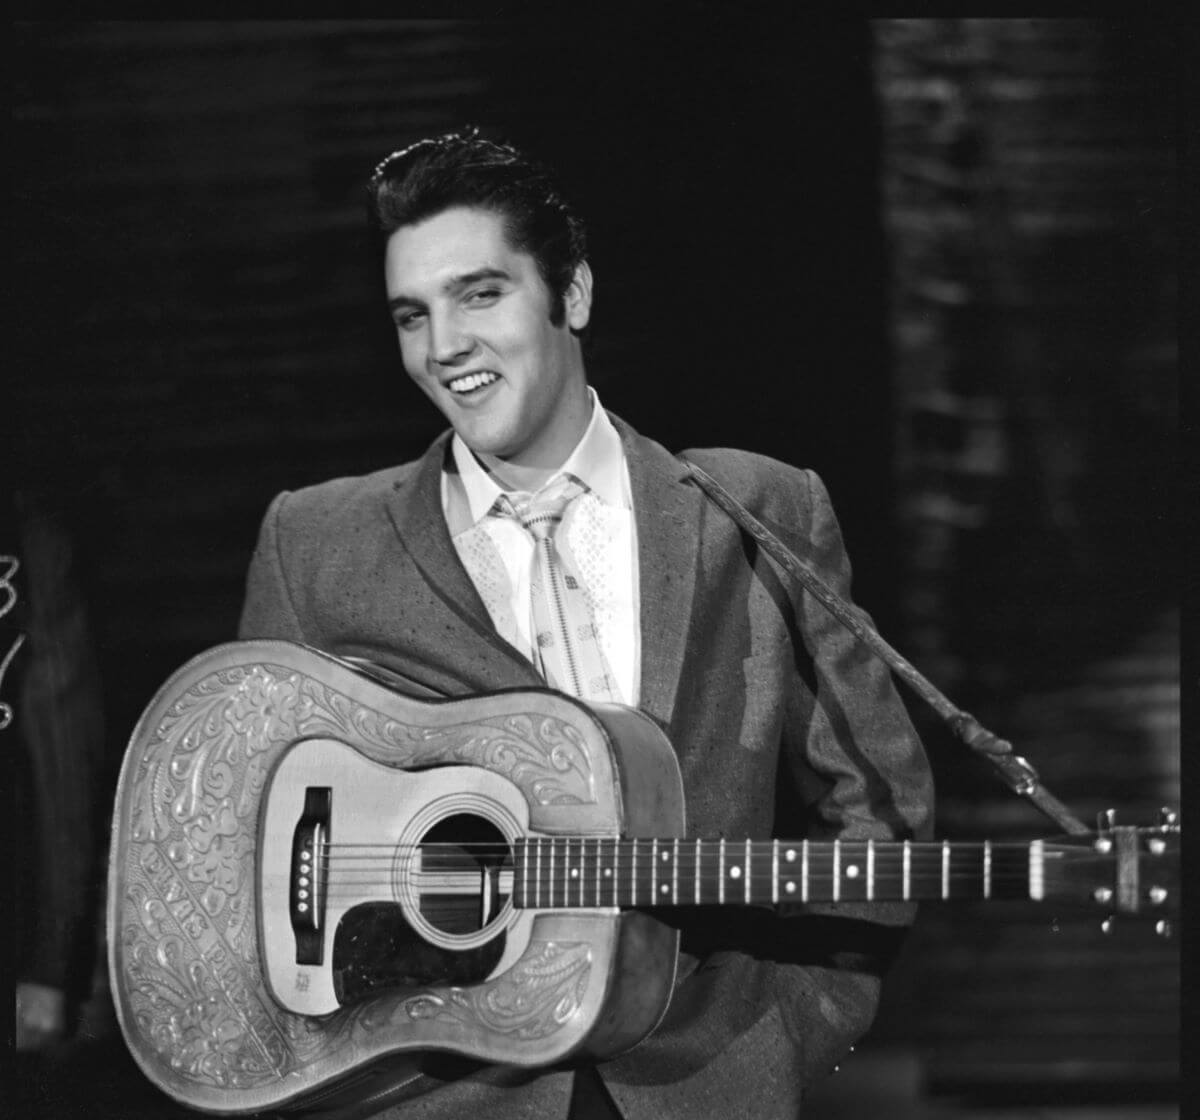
point(783, 725)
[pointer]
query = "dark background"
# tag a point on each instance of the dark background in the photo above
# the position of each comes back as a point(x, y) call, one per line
point(932, 259)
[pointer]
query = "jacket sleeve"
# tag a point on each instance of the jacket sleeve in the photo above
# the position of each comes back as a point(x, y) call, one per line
point(268, 610)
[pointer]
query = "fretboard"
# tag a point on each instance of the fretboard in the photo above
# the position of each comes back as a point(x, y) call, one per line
point(553, 873)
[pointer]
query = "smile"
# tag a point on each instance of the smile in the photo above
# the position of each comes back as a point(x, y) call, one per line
point(470, 382)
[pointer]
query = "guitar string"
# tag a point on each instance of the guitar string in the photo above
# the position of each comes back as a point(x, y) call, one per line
point(925, 873)
point(927, 865)
point(627, 858)
point(733, 848)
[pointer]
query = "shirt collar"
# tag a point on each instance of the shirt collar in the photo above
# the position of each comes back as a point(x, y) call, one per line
point(598, 461)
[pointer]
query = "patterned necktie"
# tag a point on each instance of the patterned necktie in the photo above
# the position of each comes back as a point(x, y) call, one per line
point(566, 645)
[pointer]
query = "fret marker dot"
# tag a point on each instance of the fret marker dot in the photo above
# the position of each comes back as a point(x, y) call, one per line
point(852, 871)
point(574, 872)
point(666, 856)
point(790, 855)
point(608, 872)
point(664, 889)
point(735, 872)
point(790, 888)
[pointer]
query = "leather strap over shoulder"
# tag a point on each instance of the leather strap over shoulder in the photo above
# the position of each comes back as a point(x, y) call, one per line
point(1015, 771)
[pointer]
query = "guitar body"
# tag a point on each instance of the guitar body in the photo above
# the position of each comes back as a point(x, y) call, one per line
point(247, 975)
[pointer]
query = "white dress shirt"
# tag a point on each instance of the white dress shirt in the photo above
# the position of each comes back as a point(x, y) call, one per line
point(598, 531)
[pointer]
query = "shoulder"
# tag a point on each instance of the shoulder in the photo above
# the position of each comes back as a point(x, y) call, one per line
point(336, 509)
point(338, 494)
point(770, 488)
point(339, 499)
point(738, 471)
point(746, 468)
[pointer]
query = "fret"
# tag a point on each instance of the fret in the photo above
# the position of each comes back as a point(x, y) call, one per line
point(551, 884)
point(1037, 867)
point(870, 870)
point(537, 895)
point(888, 860)
point(774, 872)
point(789, 857)
point(852, 879)
point(906, 889)
point(633, 873)
point(721, 872)
point(746, 896)
point(675, 873)
point(945, 869)
point(654, 871)
point(804, 871)
point(522, 896)
point(926, 871)
point(966, 870)
point(696, 873)
point(664, 888)
point(987, 869)
point(837, 871)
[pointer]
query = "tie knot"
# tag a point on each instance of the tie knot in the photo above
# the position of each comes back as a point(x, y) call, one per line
point(541, 514)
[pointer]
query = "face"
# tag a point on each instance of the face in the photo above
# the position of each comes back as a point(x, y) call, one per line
point(473, 318)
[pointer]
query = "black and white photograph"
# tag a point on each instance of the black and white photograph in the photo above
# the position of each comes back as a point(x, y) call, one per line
point(609, 568)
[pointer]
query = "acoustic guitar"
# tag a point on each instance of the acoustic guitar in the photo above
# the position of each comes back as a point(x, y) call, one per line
point(314, 874)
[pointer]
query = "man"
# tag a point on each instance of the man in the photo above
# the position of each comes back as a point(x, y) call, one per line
point(448, 571)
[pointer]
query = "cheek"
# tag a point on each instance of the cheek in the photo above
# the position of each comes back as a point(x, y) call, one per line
point(412, 356)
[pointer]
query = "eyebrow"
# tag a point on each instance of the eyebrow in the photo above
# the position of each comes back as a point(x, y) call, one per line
point(453, 284)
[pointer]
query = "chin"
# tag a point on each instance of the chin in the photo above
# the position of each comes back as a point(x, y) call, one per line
point(486, 443)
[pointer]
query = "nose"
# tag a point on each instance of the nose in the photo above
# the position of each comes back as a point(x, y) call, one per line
point(449, 343)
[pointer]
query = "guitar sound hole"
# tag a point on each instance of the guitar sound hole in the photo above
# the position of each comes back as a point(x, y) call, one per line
point(464, 880)
point(466, 874)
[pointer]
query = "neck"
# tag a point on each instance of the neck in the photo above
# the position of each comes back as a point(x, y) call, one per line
point(566, 872)
point(511, 475)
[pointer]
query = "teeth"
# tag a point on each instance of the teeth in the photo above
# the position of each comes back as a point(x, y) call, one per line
point(473, 381)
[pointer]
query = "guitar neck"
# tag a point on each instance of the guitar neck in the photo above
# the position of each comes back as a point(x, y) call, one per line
point(554, 872)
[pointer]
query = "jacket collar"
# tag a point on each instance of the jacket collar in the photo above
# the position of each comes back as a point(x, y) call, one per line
point(460, 620)
point(667, 512)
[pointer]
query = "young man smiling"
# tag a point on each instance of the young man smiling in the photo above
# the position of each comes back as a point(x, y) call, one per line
point(479, 336)
point(440, 571)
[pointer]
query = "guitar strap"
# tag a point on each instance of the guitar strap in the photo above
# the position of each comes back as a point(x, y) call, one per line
point(1013, 770)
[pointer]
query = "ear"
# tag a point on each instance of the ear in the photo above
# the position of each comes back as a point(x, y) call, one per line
point(578, 297)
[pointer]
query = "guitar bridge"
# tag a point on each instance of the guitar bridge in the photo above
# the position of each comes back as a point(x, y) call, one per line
point(306, 893)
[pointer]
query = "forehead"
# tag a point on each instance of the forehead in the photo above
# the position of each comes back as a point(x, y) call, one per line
point(453, 243)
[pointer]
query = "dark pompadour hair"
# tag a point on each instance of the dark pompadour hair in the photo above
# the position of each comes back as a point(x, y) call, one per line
point(463, 169)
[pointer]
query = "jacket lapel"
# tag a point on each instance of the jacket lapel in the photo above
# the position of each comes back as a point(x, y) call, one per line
point(453, 614)
point(668, 514)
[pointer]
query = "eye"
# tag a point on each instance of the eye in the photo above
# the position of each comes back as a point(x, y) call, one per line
point(409, 321)
point(483, 297)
